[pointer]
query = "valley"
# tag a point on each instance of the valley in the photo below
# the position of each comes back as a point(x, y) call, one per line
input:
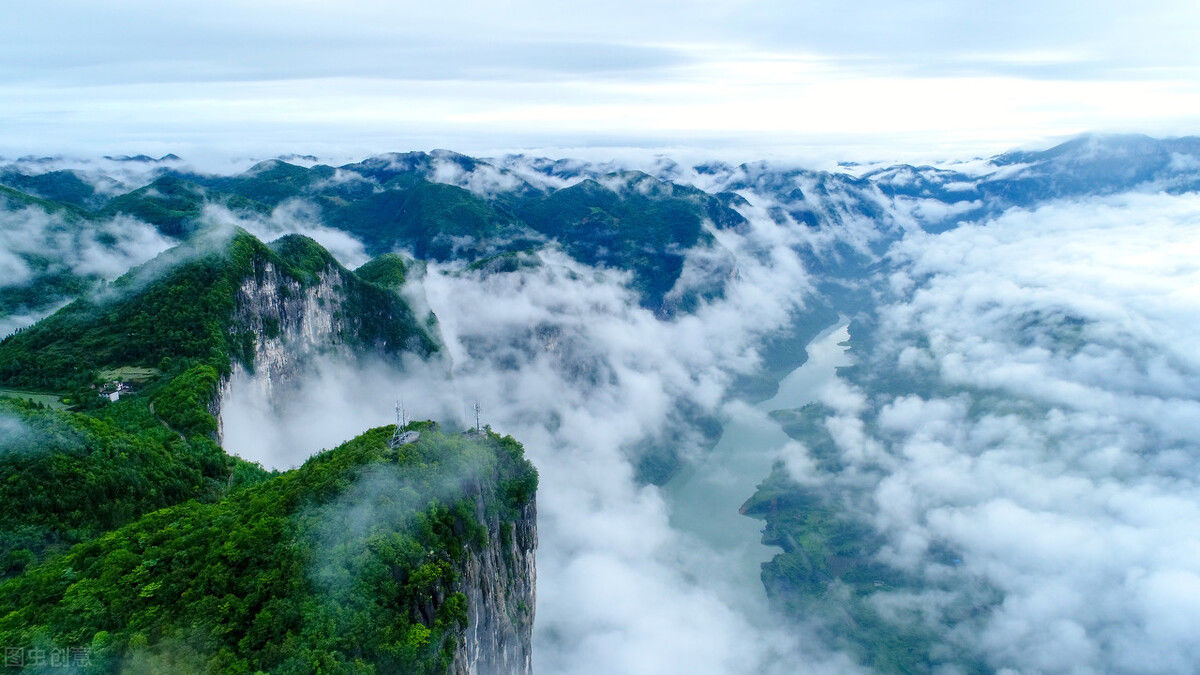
point(813, 414)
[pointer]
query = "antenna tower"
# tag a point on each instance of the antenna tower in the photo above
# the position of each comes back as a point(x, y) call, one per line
point(401, 422)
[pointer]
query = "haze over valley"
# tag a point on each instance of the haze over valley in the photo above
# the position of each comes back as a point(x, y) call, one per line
point(625, 337)
point(997, 381)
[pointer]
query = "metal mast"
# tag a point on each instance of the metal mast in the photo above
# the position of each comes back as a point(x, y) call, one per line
point(400, 424)
point(400, 436)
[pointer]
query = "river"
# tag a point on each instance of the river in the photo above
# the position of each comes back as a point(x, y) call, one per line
point(705, 497)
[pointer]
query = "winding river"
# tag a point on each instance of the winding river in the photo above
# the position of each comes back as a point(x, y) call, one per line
point(705, 497)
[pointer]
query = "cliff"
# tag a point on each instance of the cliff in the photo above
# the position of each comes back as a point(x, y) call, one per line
point(300, 303)
point(368, 558)
point(499, 584)
point(416, 559)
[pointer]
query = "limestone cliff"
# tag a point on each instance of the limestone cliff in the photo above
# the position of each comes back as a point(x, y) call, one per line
point(286, 315)
point(499, 583)
point(288, 322)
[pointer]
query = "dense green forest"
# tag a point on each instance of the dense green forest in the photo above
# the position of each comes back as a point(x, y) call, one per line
point(347, 564)
point(67, 477)
point(628, 221)
point(128, 533)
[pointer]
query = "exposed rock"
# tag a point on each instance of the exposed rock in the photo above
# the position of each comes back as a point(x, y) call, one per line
point(499, 583)
point(289, 323)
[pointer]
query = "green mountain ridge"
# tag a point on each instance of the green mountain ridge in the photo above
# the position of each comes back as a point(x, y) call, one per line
point(278, 575)
point(126, 531)
point(626, 220)
point(181, 306)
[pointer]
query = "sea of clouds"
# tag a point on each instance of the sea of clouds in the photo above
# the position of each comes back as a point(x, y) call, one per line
point(1044, 428)
point(1047, 435)
point(562, 357)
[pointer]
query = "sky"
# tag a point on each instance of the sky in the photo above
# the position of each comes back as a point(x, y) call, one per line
point(737, 79)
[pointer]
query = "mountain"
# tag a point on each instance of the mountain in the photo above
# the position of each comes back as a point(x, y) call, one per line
point(915, 604)
point(447, 207)
point(64, 186)
point(174, 331)
point(41, 239)
point(615, 313)
point(367, 558)
point(224, 299)
point(143, 540)
point(631, 221)
point(172, 204)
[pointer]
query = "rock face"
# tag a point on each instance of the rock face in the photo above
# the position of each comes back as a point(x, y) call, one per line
point(285, 324)
point(288, 324)
point(499, 582)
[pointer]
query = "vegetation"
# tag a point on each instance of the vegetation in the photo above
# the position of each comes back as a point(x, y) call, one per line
point(389, 270)
point(269, 182)
point(433, 220)
point(645, 230)
point(67, 477)
point(126, 529)
point(173, 203)
point(63, 187)
point(830, 570)
point(641, 224)
point(47, 400)
point(136, 321)
point(15, 199)
point(180, 310)
point(170, 330)
point(346, 564)
point(49, 281)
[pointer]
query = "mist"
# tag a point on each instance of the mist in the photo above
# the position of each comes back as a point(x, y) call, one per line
point(104, 249)
point(1024, 404)
point(1039, 420)
point(41, 249)
point(293, 216)
point(561, 356)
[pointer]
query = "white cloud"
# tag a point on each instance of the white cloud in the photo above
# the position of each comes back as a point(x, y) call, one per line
point(293, 216)
point(103, 248)
point(562, 357)
point(932, 79)
point(1049, 435)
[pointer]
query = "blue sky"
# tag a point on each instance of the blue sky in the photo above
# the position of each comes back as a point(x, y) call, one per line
point(866, 80)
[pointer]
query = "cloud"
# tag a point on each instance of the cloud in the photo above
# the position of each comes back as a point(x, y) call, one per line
point(484, 180)
point(89, 248)
point(1044, 430)
point(294, 216)
point(562, 356)
point(13, 268)
point(14, 322)
point(286, 78)
point(34, 242)
point(11, 429)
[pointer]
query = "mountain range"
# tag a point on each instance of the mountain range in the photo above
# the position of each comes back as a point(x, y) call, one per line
point(138, 294)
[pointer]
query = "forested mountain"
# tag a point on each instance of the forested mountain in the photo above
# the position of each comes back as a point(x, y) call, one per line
point(438, 206)
point(144, 542)
point(636, 327)
point(192, 305)
point(283, 575)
